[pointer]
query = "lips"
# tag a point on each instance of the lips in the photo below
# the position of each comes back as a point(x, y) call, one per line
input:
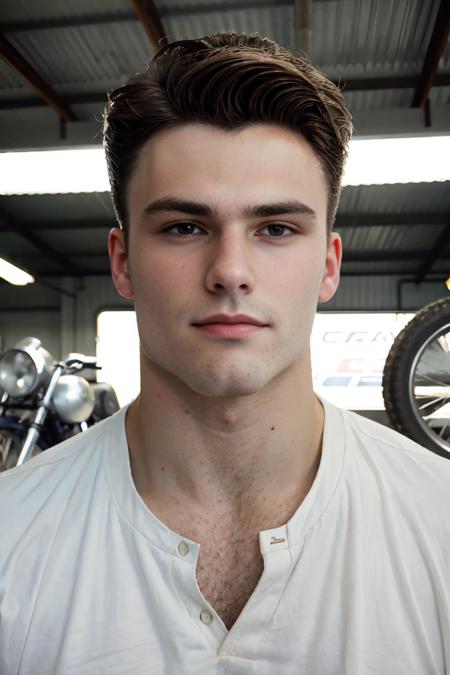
point(229, 319)
point(230, 327)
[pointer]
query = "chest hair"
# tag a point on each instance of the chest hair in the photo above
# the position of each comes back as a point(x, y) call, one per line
point(228, 571)
point(230, 563)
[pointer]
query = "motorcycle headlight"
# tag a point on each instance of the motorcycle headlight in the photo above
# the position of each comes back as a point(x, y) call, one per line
point(24, 368)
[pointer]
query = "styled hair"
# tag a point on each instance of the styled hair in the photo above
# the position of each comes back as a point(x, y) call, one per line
point(228, 80)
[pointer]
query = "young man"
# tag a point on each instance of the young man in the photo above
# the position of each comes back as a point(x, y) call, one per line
point(227, 521)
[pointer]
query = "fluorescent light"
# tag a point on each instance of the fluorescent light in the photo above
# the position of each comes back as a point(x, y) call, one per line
point(53, 172)
point(371, 162)
point(14, 274)
point(378, 161)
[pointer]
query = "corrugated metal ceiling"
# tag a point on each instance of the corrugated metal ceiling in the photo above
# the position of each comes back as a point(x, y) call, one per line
point(396, 199)
point(351, 39)
point(388, 238)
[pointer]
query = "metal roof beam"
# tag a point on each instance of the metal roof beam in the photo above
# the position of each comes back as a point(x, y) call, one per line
point(123, 15)
point(107, 273)
point(435, 254)
point(16, 61)
point(397, 255)
point(346, 220)
point(75, 225)
point(374, 123)
point(350, 256)
point(72, 99)
point(150, 19)
point(435, 50)
point(66, 22)
point(7, 221)
point(394, 272)
point(364, 84)
point(94, 272)
point(303, 26)
point(343, 221)
point(101, 255)
point(394, 82)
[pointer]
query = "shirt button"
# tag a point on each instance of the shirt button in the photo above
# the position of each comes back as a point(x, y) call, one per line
point(183, 548)
point(206, 616)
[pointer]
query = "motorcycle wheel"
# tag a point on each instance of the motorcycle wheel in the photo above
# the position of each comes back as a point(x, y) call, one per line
point(416, 379)
point(10, 446)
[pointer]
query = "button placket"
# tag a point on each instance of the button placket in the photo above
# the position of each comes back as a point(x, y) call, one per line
point(206, 617)
point(184, 577)
point(183, 548)
point(273, 540)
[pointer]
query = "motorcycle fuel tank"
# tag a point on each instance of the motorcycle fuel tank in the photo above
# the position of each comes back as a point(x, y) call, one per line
point(73, 399)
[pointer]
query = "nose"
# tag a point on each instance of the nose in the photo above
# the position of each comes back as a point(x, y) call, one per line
point(229, 268)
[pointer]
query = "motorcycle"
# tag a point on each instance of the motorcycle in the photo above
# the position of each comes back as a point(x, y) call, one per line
point(416, 378)
point(45, 401)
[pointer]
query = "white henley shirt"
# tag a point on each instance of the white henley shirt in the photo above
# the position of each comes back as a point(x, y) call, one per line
point(357, 582)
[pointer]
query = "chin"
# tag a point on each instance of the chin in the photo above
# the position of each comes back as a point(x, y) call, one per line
point(227, 387)
point(225, 391)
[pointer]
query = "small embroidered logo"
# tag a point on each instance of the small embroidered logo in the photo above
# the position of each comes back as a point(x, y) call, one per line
point(275, 540)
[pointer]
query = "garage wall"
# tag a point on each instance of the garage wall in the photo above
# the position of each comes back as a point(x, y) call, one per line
point(383, 294)
point(62, 322)
point(65, 323)
point(30, 311)
point(45, 325)
point(79, 315)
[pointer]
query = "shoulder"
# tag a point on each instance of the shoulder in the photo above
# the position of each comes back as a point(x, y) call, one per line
point(385, 442)
point(35, 494)
point(397, 472)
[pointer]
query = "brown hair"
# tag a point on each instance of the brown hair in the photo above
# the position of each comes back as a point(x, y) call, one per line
point(228, 80)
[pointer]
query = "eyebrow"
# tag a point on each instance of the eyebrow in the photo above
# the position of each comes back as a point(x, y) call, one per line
point(291, 206)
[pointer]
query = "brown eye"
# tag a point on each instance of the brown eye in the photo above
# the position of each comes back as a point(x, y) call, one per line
point(277, 230)
point(183, 229)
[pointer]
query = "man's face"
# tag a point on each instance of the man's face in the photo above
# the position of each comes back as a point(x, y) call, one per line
point(226, 223)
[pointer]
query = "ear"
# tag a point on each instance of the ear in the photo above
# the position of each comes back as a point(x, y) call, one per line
point(330, 279)
point(118, 257)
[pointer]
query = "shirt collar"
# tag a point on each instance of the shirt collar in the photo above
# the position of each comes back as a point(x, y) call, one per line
point(307, 514)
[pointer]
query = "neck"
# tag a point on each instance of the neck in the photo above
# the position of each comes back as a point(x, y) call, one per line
point(246, 455)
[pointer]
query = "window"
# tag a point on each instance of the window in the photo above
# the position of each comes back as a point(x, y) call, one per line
point(118, 353)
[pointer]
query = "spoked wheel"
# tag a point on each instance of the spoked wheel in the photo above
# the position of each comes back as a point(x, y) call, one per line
point(10, 445)
point(416, 379)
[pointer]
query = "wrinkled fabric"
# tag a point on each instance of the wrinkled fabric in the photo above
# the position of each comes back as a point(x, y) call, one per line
point(355, 583)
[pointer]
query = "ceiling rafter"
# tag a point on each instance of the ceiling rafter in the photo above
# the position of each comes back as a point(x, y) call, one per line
point(150, 19)
point(441, 244)
point(393, 272)
point(21, 66)
point(71, 225)
point(25, 25)
point(436, 47)
point(391, 255)
point(346, 220)
point(343, 221)
point(394, 82)
point(358, 84)
point(303, 26)
point(118, 16)
point(7, 222)
point(350, 256)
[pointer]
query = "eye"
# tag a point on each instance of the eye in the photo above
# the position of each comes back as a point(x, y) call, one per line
point(183, 229)
point(277, 230)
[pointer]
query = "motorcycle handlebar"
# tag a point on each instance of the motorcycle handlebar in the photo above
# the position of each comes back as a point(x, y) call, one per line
point(81, 361)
